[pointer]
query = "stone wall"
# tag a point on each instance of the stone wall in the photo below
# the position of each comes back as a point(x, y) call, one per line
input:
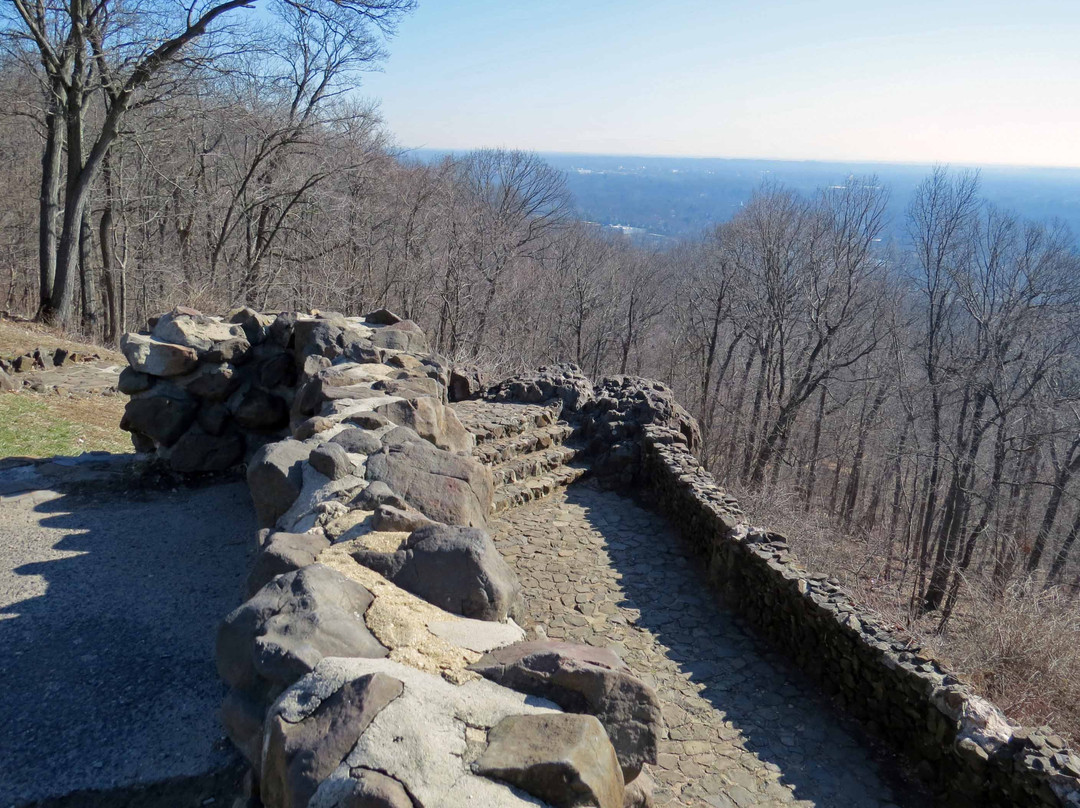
point(376, 660)
point(962, 744)
point(640, 440)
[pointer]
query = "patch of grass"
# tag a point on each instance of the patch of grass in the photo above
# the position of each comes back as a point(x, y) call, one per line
point(49, 425)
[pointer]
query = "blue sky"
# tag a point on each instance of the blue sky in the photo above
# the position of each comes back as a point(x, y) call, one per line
point(959, 81)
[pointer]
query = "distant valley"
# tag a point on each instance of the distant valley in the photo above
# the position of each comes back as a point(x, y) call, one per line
point(670, 197)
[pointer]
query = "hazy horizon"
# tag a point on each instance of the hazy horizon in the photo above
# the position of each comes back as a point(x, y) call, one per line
point(838, 80)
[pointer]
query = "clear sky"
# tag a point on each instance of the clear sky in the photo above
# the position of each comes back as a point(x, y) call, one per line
point(962, 81)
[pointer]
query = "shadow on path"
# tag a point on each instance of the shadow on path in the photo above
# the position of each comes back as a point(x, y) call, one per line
point(746, 729)
point(109, 603)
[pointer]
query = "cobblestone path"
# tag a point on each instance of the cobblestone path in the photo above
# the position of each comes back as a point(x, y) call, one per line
point(742, 730)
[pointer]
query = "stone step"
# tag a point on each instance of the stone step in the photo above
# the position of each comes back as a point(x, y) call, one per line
point(513, 495)
point(534, 464)
point(537, 439)
point(491, 421)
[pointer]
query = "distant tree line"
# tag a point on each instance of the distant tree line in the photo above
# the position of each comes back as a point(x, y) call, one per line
point(925, 394)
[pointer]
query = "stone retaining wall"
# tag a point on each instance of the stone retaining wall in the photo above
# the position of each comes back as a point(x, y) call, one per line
point(376, 660)
point(962, 744)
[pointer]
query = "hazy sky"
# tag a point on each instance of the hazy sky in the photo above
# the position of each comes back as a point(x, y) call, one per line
point(963, 81)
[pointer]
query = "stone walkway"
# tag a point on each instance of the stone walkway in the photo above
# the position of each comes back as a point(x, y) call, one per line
point(743, 730)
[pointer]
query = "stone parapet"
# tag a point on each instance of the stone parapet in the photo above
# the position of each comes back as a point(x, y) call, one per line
point(962, 744)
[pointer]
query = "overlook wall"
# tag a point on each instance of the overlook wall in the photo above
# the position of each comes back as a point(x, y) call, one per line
point(376, 660)
point(377, 602)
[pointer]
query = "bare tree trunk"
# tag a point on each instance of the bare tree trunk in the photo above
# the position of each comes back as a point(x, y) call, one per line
point(49, 207)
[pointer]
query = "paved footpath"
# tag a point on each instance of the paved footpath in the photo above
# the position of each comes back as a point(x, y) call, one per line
point(742, 729)
point(109, 603)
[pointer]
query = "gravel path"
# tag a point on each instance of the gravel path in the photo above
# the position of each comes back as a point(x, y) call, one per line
point(108, 608)
point(743, 729)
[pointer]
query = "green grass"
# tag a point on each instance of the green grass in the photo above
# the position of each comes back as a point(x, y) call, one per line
point(45, 425)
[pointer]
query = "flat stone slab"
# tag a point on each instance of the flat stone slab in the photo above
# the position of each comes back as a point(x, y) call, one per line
point(109, 604)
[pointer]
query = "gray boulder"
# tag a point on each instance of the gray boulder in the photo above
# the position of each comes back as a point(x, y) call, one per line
point(330, 459)
point(157, 358)
point(426, 738)
point(211, 381)
point(357, 441)
point(290, 625)
point(275, 477)
point(376, 494)
point(465, 383)
point(322, 337)
point(458, 569)
point(445, 487)
point(584, 679)
point(403, 336)
point(431, 420)
point(404, 520)
point(212, 339)
point(303, 747)
point(565, 760)
point(260, 410)
point(132, 381)
point(163, 413)
point(382, 317)
point(283, 553)
point(199, 451)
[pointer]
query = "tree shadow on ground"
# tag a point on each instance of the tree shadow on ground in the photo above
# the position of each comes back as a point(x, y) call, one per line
point(781, 716)
point(109, 603)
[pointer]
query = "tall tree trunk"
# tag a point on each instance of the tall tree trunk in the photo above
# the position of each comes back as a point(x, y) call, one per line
point(90, 319)
point(49, 207)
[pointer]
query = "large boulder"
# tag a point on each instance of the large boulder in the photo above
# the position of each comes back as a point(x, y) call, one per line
point(583, 679)
point(283, 553)
point(458, 569)
point(357, 441)
point(213, 340)
point(200, 451)
point(290, 624)
point(211, 381)
point(303, 746)
point(402, 336)
point(163, 413)
point(382, 317)
point(132, 381)
point(426, 738)
point(445, 487)
point(156, 358)
point(332, 460)
point(261, 411)
point(431, 420)
point(465, 383)
point(565, 760)
point(275, 477)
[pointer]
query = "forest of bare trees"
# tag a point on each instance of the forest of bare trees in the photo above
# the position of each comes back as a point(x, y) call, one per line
point(912, 385)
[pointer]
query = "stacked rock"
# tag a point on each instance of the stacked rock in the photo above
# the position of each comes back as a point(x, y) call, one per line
point(376, 586)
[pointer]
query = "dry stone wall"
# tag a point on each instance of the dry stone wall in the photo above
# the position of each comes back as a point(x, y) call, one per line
point(639, 439)
point(962, 744)
point(376, 660)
